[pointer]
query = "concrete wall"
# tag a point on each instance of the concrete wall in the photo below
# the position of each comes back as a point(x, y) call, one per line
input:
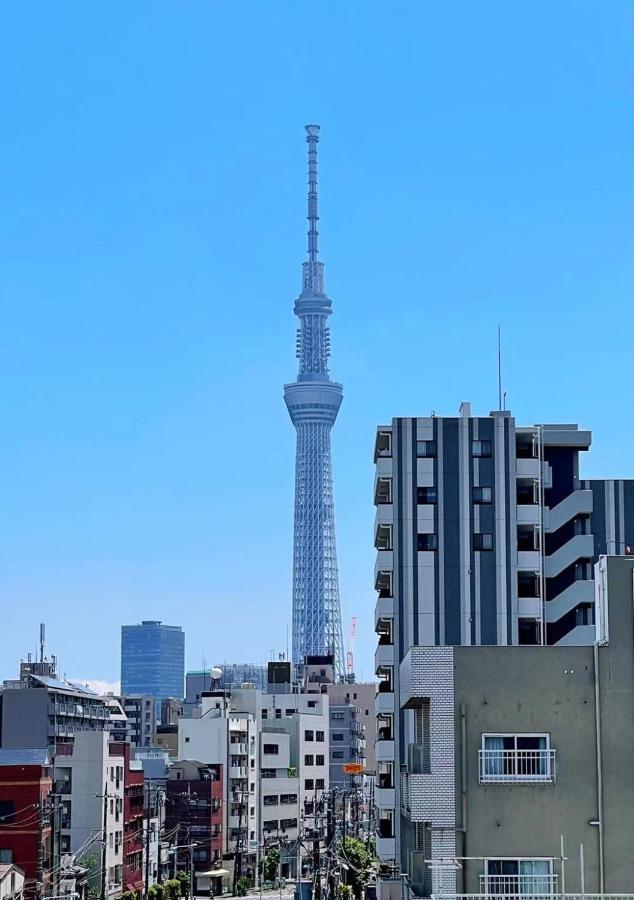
point(548, 689)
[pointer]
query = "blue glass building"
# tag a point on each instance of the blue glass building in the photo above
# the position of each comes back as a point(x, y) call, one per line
point(153, 660)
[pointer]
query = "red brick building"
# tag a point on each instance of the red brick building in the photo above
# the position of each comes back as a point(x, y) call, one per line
point(25, 815)
point(132, 819)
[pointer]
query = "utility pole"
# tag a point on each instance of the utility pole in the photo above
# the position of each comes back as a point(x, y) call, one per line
point(330, 844)
point(191, 871)
point(316, 855)
point(147, 842)
point(104, 849)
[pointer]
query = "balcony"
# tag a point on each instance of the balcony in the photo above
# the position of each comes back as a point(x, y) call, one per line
point(383, 703)
point(526, 886)
point(383, 491)
point(384, 751)
point(385, 847)
point(238, 772)
point(238, 749)
point(385, 798)
point(384, 656)
point(383, 610)
point(517, 766)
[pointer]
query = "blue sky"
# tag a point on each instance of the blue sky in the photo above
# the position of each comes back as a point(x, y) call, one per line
point(477, 166)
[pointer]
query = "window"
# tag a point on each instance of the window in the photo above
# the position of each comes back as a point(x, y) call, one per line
point(289, 712)
point(288, 823)
point(481, 448)
point(268, 773)
point(483, 541)
point(287, 799)
point(482, 494)
point(319, 760)
point(272, 749)
point(6, 856)
point(516, 758)
point(338, 716)
point(187, 740)
point(278, 713)
point(309, 784)
point(518, 877)
point(270, 824)
point(319, 784)
point(312, 704)
point(320, 737)
point(338, 754)
point(265, 713)
point(425, 448)
point(309, 760)
point(337, 736)
point(271, 800)
point(426, 495)
point(427, 542)
point(7, 812)
point(309, 735)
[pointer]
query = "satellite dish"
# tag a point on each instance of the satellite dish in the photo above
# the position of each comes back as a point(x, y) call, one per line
point(215, 673)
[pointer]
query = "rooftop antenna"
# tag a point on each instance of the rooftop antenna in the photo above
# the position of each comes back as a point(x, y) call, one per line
point(500, 368)
point(42, 640)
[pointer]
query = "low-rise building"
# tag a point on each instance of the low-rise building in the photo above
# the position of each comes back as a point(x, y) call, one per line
point(11, 882)
point(26, 816)
point(194, 810)
point(515, 758)
point(90, 780)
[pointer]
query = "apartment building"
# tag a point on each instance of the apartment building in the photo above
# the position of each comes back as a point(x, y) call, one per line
point(347, 742)
point(504, 786)
point(228, 736)
point(361, 696)
point(142, 712)
point(133, 817)
point(44, 711)
point(484, 536)
point(90, 780)
point(194, 809)
point(26, 808)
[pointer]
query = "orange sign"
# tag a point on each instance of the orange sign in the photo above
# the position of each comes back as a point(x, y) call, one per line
point(353, 768)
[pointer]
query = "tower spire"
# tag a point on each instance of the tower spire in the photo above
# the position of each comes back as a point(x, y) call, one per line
point(313, 280)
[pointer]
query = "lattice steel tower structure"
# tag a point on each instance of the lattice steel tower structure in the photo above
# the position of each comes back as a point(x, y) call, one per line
point(313, 401)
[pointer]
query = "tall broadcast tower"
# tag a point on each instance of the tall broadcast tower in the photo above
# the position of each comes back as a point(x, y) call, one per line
point(313, 401)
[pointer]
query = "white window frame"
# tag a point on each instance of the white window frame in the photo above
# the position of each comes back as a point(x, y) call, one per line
point(548, 777)
point(485, 887)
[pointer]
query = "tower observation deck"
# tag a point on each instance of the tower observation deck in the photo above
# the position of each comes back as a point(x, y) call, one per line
point(313, 401)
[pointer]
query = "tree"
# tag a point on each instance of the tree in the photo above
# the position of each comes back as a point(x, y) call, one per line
point(183, 878)
point(172, 889)
point(243, 885)
point(129, 895)
point(271, 864)
point(156, 892)
point(344, 892)
point(92, 862)
point(359, 861)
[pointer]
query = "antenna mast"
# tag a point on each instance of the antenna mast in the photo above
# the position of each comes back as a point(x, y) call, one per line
point(499, 368)
point(42, 640)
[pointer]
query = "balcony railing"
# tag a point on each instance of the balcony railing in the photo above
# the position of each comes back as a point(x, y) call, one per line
point(517, 766)
point(524, 886)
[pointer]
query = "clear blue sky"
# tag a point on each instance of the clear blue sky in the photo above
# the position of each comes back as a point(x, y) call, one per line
point(477, 166)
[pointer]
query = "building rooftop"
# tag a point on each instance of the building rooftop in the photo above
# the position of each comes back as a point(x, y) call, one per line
point(23, 757)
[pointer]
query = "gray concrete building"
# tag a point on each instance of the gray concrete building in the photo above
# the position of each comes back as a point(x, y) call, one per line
point(142, 714)
point(512, 750)
point(361, 696)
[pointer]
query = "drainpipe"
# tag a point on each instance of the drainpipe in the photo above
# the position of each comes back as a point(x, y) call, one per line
point(463, 788)
point(597, 721)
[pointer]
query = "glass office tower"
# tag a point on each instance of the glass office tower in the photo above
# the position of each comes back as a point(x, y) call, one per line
point(153, 660)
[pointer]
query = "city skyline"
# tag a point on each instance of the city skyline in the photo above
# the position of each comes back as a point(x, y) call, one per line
point(149, 235)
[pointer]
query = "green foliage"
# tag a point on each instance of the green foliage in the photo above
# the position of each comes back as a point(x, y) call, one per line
point(183, 879)
point(271, 864)
point(129, 895)
point(243, 885)
point(156, 892)
point(359, 861)
point(292, 772)
point(172, 889)
point(92, 862)
point(344, 892)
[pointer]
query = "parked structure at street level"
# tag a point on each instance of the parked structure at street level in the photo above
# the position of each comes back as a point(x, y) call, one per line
point(26, 818)
point(313, 401)
point(152, 660)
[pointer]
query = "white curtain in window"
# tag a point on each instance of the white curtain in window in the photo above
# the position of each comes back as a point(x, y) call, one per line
point(494, 756)
point(534, 877)
point(543, 763)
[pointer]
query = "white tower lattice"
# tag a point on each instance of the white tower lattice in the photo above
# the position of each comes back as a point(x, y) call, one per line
point(313, 401)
